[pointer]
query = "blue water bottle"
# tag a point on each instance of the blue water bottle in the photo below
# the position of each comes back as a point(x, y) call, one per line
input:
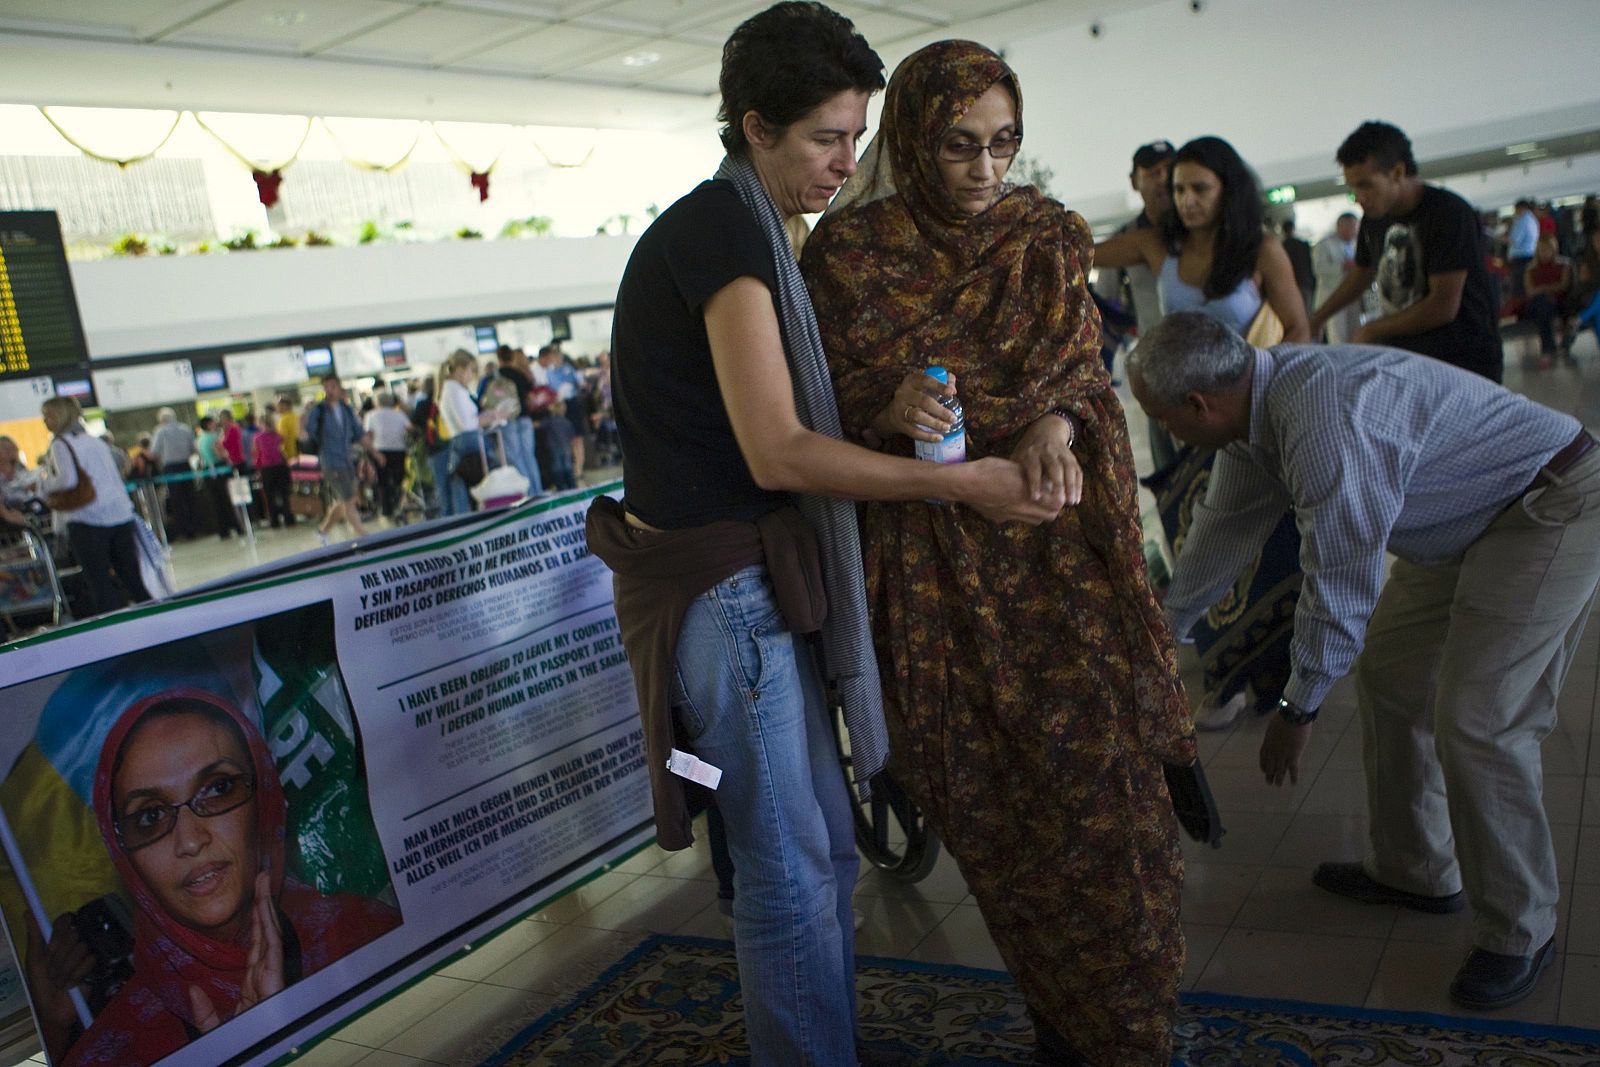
point(953, 448)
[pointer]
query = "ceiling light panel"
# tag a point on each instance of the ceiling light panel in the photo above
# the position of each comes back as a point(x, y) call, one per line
point(882, 27)
point(551, 50)
point(701, 80)
point(675, 16)
point(295, 27)
point(947, 11)
point(113, 19)
point(431, 36)
point(540, 10)
point(517, 9)
point(616, 70)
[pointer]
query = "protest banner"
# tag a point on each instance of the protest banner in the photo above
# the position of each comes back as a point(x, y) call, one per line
point(232, 821)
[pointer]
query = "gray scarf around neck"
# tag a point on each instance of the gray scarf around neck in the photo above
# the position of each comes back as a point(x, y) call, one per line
point(848, 662)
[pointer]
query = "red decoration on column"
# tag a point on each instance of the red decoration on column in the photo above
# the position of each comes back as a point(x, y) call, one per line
point(267, 182)
point(480, 182)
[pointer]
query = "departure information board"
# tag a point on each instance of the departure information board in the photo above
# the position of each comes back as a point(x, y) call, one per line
point(39, 325)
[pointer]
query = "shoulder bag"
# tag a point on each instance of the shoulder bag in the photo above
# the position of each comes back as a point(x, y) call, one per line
point(1266, 329)
point(80, 495)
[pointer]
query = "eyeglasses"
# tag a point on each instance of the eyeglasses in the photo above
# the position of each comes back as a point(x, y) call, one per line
point(153, 822)
point(967, 151)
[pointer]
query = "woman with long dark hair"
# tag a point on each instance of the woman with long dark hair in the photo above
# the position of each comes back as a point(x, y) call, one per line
point(1213, 255)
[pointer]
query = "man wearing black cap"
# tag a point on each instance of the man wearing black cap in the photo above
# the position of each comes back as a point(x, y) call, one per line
point(1149, 179)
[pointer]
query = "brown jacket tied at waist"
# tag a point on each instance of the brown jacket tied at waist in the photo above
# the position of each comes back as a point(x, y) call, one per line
point(655, 577)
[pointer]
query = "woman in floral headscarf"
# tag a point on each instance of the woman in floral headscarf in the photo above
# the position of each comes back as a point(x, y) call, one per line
point(1032, 690)
point(193, 815)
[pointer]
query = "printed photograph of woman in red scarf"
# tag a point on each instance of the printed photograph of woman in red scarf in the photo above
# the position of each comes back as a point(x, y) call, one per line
point(191, 812)
point(193, 815)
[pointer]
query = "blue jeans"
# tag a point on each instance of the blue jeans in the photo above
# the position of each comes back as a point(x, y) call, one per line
point(748, 698)
point(439, 464)
point(453, 496)
point(1543, 310)
point(561, 473)
point(518, 438)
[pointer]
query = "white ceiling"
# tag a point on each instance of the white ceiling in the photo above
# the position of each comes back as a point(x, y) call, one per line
point(561, 62)
point(1285, 80)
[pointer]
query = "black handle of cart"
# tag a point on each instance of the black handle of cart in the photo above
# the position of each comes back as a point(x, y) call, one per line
point(891, 831)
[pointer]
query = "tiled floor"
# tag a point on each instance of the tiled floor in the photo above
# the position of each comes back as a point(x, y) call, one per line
point(1255, 924)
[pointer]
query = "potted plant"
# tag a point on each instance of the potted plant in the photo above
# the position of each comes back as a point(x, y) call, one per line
point(130, 244)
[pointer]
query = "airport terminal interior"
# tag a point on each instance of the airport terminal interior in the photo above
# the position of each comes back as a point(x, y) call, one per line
point(1253, 922)
point(480, 170)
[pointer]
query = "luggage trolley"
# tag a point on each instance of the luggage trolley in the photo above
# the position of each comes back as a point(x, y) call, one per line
point(29, 585)
point(502, 483)
point(306, 500)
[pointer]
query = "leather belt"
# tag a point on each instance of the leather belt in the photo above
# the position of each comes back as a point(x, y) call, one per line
point(1563, 460)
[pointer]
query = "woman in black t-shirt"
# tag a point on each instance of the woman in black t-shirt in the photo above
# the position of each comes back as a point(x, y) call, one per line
point(736, 474)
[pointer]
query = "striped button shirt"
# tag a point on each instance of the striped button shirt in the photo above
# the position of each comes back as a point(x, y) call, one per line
point(1375, 449)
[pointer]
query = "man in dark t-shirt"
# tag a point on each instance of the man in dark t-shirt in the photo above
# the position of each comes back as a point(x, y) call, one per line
point(1423, 246)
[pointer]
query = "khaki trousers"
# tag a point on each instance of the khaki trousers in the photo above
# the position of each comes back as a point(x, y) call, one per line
point(1457, 688)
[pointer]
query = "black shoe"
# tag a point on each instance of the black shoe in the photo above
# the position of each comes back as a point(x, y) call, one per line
point(1491, 980)
point(1351, 880)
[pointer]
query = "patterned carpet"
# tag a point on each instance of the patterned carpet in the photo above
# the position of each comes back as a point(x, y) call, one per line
point(675, 1000)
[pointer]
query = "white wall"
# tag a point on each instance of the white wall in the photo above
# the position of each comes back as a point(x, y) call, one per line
point(1286, 80)
point(175, 303)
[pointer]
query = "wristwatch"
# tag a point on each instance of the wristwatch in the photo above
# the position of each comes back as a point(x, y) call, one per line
point(1295, 715)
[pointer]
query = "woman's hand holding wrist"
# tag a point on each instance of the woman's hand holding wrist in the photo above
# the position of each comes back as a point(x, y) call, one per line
point(998, 490)
point(1045, 456)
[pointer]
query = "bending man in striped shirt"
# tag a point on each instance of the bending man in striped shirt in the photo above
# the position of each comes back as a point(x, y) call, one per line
point(1491, 503)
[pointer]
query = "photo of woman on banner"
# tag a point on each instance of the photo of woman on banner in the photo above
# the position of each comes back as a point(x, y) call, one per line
point(188, 889)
